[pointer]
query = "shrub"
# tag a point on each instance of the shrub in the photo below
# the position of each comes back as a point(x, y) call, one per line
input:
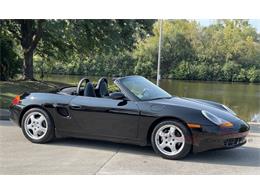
point(253, 75)
point(231, 71)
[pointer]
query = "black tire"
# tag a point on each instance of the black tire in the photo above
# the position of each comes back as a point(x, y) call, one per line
point(187, 136)
point(50, 134)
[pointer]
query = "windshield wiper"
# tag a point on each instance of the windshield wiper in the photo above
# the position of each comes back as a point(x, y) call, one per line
point(159, 98)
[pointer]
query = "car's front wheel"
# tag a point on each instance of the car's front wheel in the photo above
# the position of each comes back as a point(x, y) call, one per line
point(37, 126)
point(171, 139)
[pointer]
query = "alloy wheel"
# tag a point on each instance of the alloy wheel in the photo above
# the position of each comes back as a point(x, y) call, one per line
point(170, 140)
point(36, 125)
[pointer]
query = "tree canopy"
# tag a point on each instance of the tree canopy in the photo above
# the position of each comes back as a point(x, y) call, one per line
point(228, 50)
point(63, 40)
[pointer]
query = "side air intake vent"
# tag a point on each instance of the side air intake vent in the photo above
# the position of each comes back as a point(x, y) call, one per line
point(63, 111)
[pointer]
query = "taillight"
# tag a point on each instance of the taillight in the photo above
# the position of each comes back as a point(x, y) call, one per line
point(16, 100)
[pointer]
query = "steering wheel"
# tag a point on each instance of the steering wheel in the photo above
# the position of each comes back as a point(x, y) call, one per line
point(80, 83)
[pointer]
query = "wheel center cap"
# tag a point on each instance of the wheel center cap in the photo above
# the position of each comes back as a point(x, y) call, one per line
point(169, 139)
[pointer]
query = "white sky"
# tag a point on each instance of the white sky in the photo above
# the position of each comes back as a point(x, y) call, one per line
point(254, 22)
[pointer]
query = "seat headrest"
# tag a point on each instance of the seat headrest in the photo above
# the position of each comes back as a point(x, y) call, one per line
point(89, 90)
point(102, 87)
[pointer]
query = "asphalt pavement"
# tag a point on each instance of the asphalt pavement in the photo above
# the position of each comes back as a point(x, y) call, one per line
point(78, 156)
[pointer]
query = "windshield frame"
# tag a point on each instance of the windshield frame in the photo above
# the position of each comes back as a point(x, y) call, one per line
point(130, 95)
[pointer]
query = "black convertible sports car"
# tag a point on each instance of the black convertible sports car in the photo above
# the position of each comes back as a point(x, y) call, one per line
point(139, 113)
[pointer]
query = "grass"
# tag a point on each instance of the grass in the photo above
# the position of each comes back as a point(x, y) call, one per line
point(10, 89)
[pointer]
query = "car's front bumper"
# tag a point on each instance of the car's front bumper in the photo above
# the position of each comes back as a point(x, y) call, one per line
point(210, 137)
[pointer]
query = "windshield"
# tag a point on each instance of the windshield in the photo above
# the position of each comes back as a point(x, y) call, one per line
point(143, 89)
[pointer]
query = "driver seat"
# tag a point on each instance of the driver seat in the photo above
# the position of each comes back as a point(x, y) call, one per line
point(89, 90)
point(102, 88)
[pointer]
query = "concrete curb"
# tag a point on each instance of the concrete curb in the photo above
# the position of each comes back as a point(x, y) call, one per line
point(4, 114)
point(254, 123)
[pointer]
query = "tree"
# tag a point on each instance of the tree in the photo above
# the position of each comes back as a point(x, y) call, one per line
point(225, 50)
point(61, 39)
point(9, 59)
point(28, 33)
point(177, 46)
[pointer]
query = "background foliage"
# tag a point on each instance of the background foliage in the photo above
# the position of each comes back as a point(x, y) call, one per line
point(228, 50)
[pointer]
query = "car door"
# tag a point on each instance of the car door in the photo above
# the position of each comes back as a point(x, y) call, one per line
point(105, 117)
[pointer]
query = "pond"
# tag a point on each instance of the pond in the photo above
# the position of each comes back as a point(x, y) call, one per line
point(243, 98)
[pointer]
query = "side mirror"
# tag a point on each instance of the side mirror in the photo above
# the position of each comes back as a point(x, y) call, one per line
point(117, 96)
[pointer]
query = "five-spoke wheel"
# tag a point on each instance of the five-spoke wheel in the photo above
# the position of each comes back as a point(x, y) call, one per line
point(37, 126)
point(171, 139)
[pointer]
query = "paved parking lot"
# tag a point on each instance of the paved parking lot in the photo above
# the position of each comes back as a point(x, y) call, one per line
point(77, 156)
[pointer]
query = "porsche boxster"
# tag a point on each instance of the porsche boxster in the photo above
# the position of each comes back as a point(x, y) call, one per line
point(139, 112)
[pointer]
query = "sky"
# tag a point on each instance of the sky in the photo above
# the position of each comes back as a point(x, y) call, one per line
point(254, 22)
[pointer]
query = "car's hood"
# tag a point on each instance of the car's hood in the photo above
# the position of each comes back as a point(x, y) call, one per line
point(197, 104)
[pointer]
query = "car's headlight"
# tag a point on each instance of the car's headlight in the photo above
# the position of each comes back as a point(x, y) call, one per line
point(216, 120)
point(228, 109)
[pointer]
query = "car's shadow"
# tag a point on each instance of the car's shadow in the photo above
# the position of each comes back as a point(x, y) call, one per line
point(242, 156)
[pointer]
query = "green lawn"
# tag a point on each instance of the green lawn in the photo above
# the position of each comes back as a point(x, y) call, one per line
point(9, 89)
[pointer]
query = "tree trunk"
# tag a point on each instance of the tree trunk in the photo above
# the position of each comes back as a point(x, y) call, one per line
point(3, 72)
point(31, 32)
point(28, 66)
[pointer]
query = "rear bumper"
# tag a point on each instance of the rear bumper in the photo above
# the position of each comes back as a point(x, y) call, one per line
point(207, 139)
point(15, 112)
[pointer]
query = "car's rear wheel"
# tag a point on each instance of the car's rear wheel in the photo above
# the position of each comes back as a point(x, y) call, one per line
point(37, 126)
point(171, 140)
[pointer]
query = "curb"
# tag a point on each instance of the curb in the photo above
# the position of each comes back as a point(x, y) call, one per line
point(4, 118)
point(4, 114)
point(254, 123)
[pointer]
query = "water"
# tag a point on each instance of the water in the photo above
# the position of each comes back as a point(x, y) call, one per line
point(243, 98)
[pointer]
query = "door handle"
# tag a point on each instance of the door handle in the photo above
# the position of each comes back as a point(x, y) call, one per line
point(76, 107)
